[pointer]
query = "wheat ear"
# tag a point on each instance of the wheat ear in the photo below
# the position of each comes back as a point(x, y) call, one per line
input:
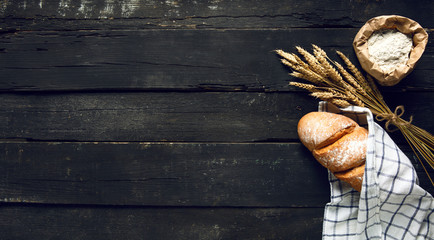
point(305, 86)
point(312, 62)
point(329, 69)
point(350, 79)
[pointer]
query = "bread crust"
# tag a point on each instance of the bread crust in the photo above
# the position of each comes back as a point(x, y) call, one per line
point(337, 142)
point(353, 176)
point(347, 152)
point(315, 128)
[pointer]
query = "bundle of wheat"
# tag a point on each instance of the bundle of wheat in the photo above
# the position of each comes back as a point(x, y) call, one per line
point(330, 81)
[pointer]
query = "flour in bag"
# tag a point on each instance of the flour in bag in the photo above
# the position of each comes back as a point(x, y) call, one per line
point(389, 48)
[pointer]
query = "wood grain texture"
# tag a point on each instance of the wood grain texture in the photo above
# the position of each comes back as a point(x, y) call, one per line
point(162, 174)
point(140, 119)
point(188, 60)
point(54, 222)
point(222, 13)
point(171, 116)
point(165, 174)
point(153, 116)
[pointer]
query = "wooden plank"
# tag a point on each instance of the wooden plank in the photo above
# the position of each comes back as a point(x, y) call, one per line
point(162, 174)
point(172, 116)
point(187, 60)
point(51, 222)
point(222, 13)
point(165, 174)
point(153, 116)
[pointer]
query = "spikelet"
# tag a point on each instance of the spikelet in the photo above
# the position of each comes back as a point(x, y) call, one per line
point(336, 93)
point(340, 102)
point(317, 51)
point(332, 73)
point(289, 57)
point(312, 62)
point(301, 62)
point(288, 63)
point(308, 75)
point(357, 74)
point(351, 80)
point(323, 95)
point(367, 82)
point(353, 99)
point(305, 86)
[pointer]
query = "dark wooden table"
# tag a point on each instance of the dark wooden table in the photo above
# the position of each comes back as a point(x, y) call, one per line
point(173, 119)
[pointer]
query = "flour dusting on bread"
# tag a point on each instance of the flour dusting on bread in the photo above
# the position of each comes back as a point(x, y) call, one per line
point(337, 142)
point(315, 130)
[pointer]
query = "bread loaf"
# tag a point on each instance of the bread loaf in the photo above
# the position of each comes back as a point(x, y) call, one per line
point(337, 142)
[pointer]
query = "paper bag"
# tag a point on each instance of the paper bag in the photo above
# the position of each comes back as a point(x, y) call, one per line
point(402, 24)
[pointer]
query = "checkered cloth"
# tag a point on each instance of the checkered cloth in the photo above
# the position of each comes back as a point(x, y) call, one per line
point(391, 205)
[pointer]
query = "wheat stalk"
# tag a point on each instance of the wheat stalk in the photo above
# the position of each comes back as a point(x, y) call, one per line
point(330, 81)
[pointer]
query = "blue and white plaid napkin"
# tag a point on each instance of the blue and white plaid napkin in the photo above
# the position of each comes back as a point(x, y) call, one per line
point(391, 204)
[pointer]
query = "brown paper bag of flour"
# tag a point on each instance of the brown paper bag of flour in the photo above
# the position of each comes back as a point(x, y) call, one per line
point(402, 24)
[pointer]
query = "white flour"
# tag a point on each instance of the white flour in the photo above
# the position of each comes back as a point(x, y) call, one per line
point(389, 48)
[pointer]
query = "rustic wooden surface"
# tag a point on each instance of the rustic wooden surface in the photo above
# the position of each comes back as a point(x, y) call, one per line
point(173, 119)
